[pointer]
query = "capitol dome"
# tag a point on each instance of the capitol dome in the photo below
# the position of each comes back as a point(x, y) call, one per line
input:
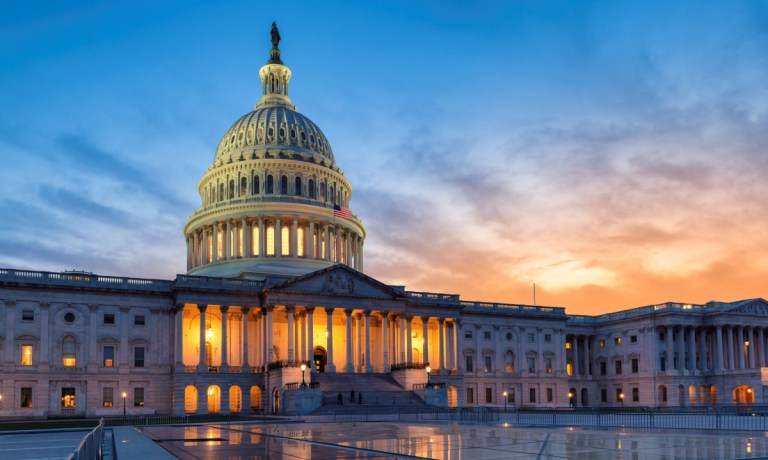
point(274, 202)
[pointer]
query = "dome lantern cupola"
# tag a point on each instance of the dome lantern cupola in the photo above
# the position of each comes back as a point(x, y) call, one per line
point(274, 201)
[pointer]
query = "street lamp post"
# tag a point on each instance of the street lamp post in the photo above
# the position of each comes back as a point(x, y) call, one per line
point(570, 399)
point(621, 398)
point(505, 400)
point(125, 395)
point(428, 369)
point(303, 368)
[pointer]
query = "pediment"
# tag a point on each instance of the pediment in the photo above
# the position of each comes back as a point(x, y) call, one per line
point(752, 307)
point(338, 280)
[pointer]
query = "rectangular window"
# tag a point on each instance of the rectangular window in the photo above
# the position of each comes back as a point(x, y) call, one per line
point(26, 397)
point(636, 394)
point(487, 335)
point(635, 365)
point(138, 357)
point(470, 395)
point(489, 395)
point(531, 364)
point(139, 320)
point(109, 356)
point(531, 337)
point(603, 367)
point(138, 397)
point(467, 334)
point(603, 395)
point(109, 318)
point(548, 364)
point(487, 363)
point(619, 395)
point(567, 345)
point(468, 367)
point(633, 339)
point(27, 353)
point(108, 396)
point(617, 364)
point(511, 396)
point(550, 395)
point(547, 337)
point(67, 397)
point(532, 395)
point(617, 341)
point(27, 315)
point(601, 343)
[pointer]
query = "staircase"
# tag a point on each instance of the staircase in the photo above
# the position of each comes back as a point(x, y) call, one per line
point(380, 391)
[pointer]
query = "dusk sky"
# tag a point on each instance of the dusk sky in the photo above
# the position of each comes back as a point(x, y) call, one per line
point(612, 152)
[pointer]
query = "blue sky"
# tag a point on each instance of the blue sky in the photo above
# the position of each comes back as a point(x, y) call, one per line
point(612, 152)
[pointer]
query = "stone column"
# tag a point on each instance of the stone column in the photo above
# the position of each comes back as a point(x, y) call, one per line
point(269, 349)
point(703, 364)
point(204, 246)
point(329, 339)
point(347, 249)
point(202, 366)
point(215, 245)
point(327, 255)
point(311, 338)
point(224, 339)
point(368, 359)
point(401, 340)
point(195, 249)
point(441, 332)
point(310, 250)
point(301, 340)
point(751, 348)
point(385, 341)
point(409, 339)
point(45, 355)
point(349, 366)
point(262, 238)
point(729, 344)
point(764, 354)
point(289, 311)
point(360, 254)
point(740, 348)
point(227, 240)
point(719, 348)
point(246, 366)
point(425, 336)
point(294, 246)
point(692, 349)
point(576, 357)
point(337, 259)
point(179, 335)
point(247, 238)
point(670, 352)
point(278, 238)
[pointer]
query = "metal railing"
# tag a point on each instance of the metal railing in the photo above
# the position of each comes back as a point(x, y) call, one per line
point(90, 446)
point(409, 365)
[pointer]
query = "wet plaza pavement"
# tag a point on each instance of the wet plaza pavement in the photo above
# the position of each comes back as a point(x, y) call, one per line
point(378, 440)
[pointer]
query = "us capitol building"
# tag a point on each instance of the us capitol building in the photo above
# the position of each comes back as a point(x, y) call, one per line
point(275, 279)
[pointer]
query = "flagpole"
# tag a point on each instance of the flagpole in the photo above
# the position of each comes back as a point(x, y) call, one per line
point(534, 294)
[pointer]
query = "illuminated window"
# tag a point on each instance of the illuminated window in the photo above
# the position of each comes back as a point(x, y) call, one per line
point(26, 397)
point(569, 369)
point(109, 356)
point(68, 346)
point(26, 355)
point(488, 363)
point(270, 241)
point(509, 362)
point(567, 345)
point(255, 239)
point(285, 241)
point(138, 397)
point(602, 343)
point(297, 187)
point(231, 189)
point(548, 364)
point(108, 396)
point(67, 397)
point(617, 341)
point(531, 364)
point(300, 242)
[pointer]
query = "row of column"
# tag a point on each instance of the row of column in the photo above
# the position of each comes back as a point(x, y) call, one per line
point(396, 338)
point(322, 241)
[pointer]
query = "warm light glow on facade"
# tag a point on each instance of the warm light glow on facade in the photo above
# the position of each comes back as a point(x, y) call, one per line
point(285, 241)
point(270, 241)
point(26, 355)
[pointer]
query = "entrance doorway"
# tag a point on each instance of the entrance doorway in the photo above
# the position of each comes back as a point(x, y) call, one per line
point(320, 357)
point(743, 395)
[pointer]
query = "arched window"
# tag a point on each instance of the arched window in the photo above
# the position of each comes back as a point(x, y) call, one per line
point(221, 192)
point(509, 362)
point(231, 189)
point(270, 185)
point(284, 185)
point(285, 241)
point(243, 186)
point(297, 187)
point(270, 241)
point(333, 194)
point(68, 349)
point(255, 185)
point(311, 186)
point(322, 191)
point(235, 403)
point(190, 399)
point(300, 242)
point(255, 398)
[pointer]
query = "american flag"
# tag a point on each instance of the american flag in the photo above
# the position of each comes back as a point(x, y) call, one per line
point(340, 212)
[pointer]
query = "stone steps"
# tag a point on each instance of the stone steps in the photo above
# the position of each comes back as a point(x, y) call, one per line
point(379, 392)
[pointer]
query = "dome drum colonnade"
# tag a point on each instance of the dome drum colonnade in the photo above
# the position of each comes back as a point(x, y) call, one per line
point(256, 347)
point(273, 192)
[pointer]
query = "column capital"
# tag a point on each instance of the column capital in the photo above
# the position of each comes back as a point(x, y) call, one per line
point(224, 308)
point(384, 314)
point(45, 305)
point(290, 308)
point(348, 311)
point(367, 313)
point(178, 307)
point(329, 310)
point(202, 307)
point(245, 309)
point(309, 309)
